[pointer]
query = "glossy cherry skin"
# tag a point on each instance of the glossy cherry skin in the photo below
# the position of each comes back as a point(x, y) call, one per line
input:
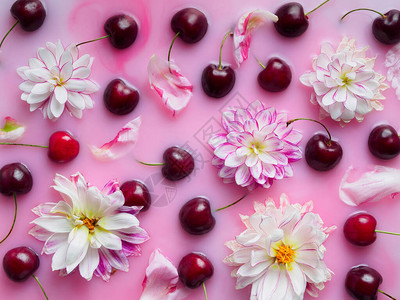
point(292, 21)
point(276, 76)
point(216, 82)
point(359, 229)
point(194, 269)
point(119, 98)
point(178, 163)
point(384, 142)
point(29, 13)
point(196, 217)
point(63, 147)
point(15, 178)
point(122, 29)
point(20, 263)
point(362, 282)
point(322, 156)
point(136, 193)
point(387, 30)
point(191, 23)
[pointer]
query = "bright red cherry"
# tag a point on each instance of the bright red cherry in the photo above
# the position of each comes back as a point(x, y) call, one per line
point(194, 269)
point(15, 178)
point(20, 263)
point(120, 98)
point(276, 76)
point(29, 13)
point(292, 21)
point(191, 24)
point(384, 142)
point(217, 82)
point(359, 229)
point(178, 163)
point(136, 193)
point(122, 29)
point(196, 217)
point(387, 30)
point(63, 147)
point(323, 154)
point(362, 282)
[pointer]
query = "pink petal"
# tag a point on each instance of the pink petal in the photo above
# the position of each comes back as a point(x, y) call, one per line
point(161, 281)
point(121, 144)
point(370, 187)
point(11, 131)
point(244, 30)
point(166, 79)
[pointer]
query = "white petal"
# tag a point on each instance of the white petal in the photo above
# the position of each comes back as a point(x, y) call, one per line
point(76, 100)
point(56, 107)
point(58, 261)
point(61, 94)
point(89, 263)
point(297, 278)
point(42, 88)
point(75, 85)
point(54, 223)
point(115, 222)
point(66, 72)
point(47, 57)
point(107, 239)
point(77, 247)
point(82, 72)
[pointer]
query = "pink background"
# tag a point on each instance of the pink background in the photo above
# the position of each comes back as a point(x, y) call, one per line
point(75, 21)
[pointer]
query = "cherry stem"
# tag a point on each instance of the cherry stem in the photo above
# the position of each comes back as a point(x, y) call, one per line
point(91, 41)
point(170, 47)
point(205, 291)
point(27, 145)
point(41, 287)
point(232, 204)
point(382, 292)
point(222, 45)
point(369, 9)
point(387, 232)
point(15, 217)
point(15, 24)
point(307, 119)
point(316, 8)
point(150, 164)
point(260, 63)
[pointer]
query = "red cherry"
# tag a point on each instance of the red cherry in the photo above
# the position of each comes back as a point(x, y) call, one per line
point(63, 147)
point(276, 76)
point(384, 142)
point(292, 21)
point(359, 229)
point(119, 98)
point(29, 13)
point(194, 269)
point(196, 217)
point(15, 178)
point(387, 30)
point(191, 24)
point(217, 82)
point(362, 282)
point(323, 154)
point(20, 263)
point(136, 193)
point(122, 30)
point(178, 163)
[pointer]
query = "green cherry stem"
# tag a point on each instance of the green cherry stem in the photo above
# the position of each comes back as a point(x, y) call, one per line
point(15, 217)
point(316, 8)
point(386, 294)
point(205, 291)
point(8, 32)
point(172, 43)
point(307, 119)
point(369, 9)
point(27, 145)
point(41, 287)
point(387, 232)
point(91, 41)
point(232, 204)
point(260, 63)
point(220, 50)
point(150, 164)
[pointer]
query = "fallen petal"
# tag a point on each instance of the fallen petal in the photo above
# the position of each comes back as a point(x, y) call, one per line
point(370, 187)
point(11, 131)
point(121, 144)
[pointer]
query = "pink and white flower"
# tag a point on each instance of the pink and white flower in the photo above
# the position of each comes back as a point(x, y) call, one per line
point(167, 80)
point(370, 187)
point(122, 144)
point(58, 79)
point(392, 62)
point(281, 251)
point(344, 82)
point(162, 280)
point(244, 30)
point(89, 229)
point(256, 147)
point(12, 130)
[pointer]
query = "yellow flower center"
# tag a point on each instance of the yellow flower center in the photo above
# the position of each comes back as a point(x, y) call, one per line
point(89, 223)
point(346, 80)
point(256, 147)
point(285, 254)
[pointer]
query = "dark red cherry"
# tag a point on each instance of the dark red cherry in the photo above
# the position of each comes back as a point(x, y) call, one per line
point(322, 154)
point(362, 282)
point(136, 193)
point(217, 82)
point(194, 269)
point(292, 21)
point(122, 29)
point(120, 98)
point(387, 30)
point(178, 163)
point(20, 263)
point(29, 13)
point(384, 142)
point(15, 178)
point(63, 147)
point(191, 23)
point(359, 229)
point(196, 217)
point(276, 76)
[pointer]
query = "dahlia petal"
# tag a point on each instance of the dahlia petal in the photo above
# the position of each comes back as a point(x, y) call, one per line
point(66, 71)
point(115, 222)
point(75, 85)
point(26, 86)
point(166, 79)
point(89, 264)
point(256, 170)
point(370, 187)
point(82, 61)
point(217, 140)
point(65, 58)
point(233, 160)
point(56, 107)
point(242, 175)
point(37, 98)
point(54, 242)
point(35, 63)
point(297, 278)
point(91, 87)
point(58, 261)
point(251, 160)
point(40, 233)
point(37, 75)
point(47, 57)
point(81, 72)
point(116, 259)
point(77, 247)
point(268, 283)
point(57, 224)
point(107, 239)
point(121, 144)
point(40, 88)
point(224, 150)
point(12, 130)
point(76, 100)
point(60, 94)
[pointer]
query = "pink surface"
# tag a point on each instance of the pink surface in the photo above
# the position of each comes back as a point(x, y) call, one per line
point(80, 20)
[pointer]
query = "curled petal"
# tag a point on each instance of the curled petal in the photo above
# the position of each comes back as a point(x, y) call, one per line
point(161, 281)
point(121, 144)
point(166, 79)
point(244, 30)
point(11, 131)
point(370, 187)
